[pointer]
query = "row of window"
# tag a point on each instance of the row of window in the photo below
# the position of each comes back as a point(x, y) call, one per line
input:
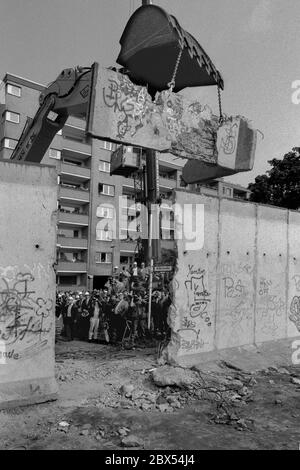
point(10, 116)
point(106, 189)
point(105, 212)
point(104, 166)
point(101, 257)
point(104, 235)
point(13, 90)
point(9, 143)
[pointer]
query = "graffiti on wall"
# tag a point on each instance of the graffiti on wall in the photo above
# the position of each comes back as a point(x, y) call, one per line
point(26, 320)
point(294, 315)
point(130, 103)
point(197, 295)
point(232, 287)
point(196, 317)
point(236, 303)
point(270, 307)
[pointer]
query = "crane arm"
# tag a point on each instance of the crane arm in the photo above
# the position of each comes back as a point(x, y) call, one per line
point(69, 95)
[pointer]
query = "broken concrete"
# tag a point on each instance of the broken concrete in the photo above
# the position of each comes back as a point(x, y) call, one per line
point(173, 376)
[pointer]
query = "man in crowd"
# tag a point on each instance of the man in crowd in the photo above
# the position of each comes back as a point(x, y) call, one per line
point(85, 313)
point(118, 320)
point(69, 315)
point(95, 308)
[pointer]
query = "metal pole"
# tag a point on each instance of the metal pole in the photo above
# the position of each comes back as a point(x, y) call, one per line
point(151, 273)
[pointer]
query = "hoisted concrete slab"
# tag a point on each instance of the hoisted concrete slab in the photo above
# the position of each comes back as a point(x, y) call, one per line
point(125, 113)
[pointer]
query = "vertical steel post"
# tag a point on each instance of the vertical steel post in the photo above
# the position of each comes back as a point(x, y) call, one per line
point(151, 196)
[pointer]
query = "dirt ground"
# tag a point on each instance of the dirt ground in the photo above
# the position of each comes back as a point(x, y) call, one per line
point(109, 399)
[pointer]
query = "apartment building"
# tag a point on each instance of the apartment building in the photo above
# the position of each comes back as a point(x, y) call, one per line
point(89, 198)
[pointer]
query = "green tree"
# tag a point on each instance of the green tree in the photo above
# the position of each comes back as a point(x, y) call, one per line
point(280, 186)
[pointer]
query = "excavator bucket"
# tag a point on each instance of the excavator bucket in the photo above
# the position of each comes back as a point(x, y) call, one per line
point(150, 45)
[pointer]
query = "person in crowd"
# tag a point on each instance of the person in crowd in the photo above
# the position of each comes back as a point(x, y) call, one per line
point(109, 285)
point(134, 273)
point(144, 272)
point(156, 310)
point(103, 330)
point(95, 309)
point(165, 305)
point(58, 316)
point(86, 311)
point(139, 317)
point(125, 278)
point(118, 320)
point(69, 315)
point(117, 287)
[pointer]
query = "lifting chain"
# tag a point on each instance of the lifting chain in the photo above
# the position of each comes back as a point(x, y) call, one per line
point(221, 118)
point(171, 84)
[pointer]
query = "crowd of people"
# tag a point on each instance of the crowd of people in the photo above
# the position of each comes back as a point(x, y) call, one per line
point(116, 313)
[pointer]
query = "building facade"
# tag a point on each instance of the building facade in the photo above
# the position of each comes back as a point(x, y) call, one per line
point(90, 199)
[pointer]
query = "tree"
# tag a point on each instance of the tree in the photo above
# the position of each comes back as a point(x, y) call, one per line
point(280, 186)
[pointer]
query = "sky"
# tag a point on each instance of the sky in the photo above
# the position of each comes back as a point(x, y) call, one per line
point(255, 44)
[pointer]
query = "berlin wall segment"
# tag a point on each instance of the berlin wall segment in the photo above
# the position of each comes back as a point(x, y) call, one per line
point(242, 287)
point(28, 196)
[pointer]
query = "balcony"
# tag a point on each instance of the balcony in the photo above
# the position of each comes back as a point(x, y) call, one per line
point(73, 220)
point(72, 244)
point(209, 191)
point(167, 183)
point(74, 196)
point(102, 269)
point(74, 173)
point(128, 247)
point(70, 267)
point(128, 183)
point(76, 148)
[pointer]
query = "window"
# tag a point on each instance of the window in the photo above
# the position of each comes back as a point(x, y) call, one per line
point(126, 259)
point(13, 90)
point(54, 153)
point(106, 189)
point(104, 235)
point(106, 212)
point(104, 166)
point(108, 145)
point(9, 143)
point(103, 257)
point(12, 117)
point(167, 234)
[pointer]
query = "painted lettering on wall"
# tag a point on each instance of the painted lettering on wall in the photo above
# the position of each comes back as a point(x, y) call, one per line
point(26, 320)
point(295, 311)
point(236, 303)
point(198, 297)
point(197, 319)
point(270, 308)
